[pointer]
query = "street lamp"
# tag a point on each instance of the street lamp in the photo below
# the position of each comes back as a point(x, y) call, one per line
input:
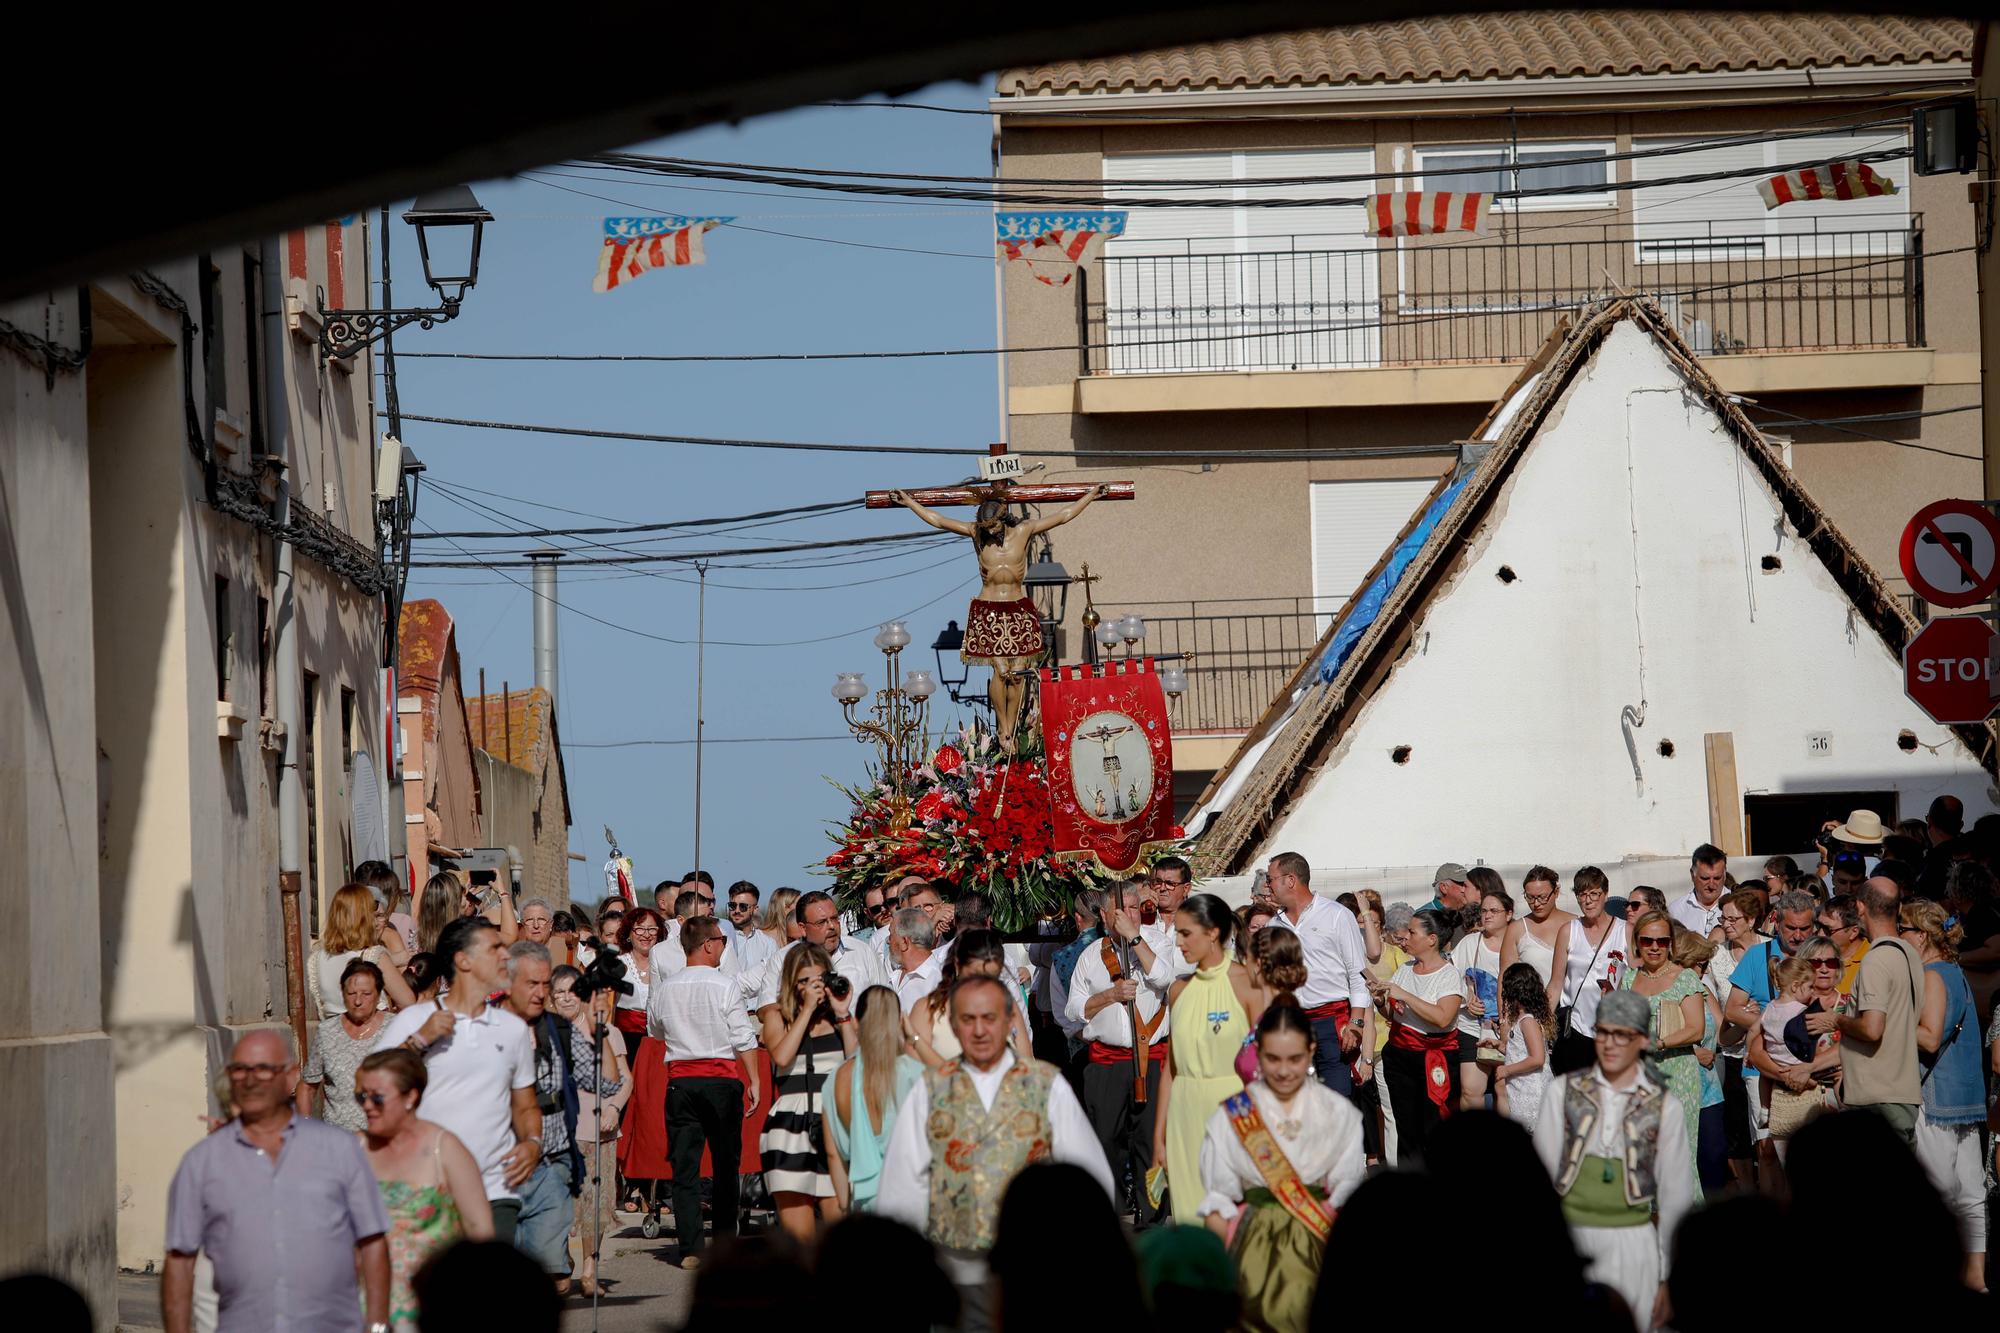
point(450, 225)
point(896, 721)
point(953, 670)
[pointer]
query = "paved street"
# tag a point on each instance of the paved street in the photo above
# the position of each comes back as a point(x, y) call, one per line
point(644, 1292)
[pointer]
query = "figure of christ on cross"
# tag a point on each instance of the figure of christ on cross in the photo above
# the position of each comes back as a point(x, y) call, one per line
point(1003, 627)
point(1105, 735)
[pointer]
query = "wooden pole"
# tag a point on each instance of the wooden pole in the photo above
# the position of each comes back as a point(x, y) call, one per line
point(1038, 493)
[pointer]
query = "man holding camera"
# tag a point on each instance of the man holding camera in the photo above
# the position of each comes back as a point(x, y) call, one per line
point(708, 1036)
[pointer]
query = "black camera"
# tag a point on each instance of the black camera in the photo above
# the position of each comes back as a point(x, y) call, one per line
point(606, 972)
point(837, 986)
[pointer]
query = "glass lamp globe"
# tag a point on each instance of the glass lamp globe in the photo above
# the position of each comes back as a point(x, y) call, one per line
point(1107, 634)
point(850, 687)
point(1131, 628)
point(919, 685)
point(893, 637)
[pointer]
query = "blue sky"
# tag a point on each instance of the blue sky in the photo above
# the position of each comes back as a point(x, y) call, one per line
point(765, 806)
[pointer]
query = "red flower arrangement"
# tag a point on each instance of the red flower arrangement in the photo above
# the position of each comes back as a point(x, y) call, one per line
point(976, 820)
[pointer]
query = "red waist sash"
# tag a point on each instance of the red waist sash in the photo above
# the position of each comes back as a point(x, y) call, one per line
point(629, 1020)
point(1104, 1054)
point(714, 1067)
point(1437, 1048)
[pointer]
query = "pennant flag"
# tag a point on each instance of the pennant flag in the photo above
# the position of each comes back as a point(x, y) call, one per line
point(636, 245)
point(1834, 180)
point(1422, 213)
point(1054, 245)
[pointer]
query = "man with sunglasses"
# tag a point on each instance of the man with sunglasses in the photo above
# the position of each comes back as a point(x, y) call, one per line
point(1840, 921)
point(285, 1207)
point(1612, 1140)
point(876, 909)
point(1751, 987)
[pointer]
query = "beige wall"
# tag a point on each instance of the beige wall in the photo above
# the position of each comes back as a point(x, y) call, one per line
point(56, 1212)
point(1241, 529)
point(179, 907)
point(511, 798)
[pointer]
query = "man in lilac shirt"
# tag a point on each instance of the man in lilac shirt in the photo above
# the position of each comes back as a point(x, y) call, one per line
point(286, 1208)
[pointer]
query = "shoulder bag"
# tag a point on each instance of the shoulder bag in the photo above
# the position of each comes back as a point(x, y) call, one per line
point(1567, 1010)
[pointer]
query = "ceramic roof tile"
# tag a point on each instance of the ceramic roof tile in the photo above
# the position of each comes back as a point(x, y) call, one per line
point(510, 726)
point(1512, 45)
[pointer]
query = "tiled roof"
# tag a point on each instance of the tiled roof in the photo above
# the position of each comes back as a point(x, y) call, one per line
point(1514, 44)
point(511, 726)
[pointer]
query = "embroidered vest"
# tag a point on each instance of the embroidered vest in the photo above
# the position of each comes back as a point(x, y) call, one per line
point(975, 1152)
point(1642, 1134)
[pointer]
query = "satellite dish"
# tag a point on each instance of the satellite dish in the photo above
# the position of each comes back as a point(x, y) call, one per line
point(371, 836)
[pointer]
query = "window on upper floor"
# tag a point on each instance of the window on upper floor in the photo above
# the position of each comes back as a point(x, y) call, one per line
point(1676, 220)
point(1353, 524)
point(1582, 168)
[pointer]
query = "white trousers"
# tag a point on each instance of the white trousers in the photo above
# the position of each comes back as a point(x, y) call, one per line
point(1627, 1260)
point(1950, 1155)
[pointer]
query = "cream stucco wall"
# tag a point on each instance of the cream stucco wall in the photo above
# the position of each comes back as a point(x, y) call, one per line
point(56, 1123)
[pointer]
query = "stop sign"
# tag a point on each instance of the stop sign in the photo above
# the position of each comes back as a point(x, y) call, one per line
point(1945, 669)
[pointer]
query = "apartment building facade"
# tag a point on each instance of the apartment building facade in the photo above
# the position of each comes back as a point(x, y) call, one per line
point(145, 552)
point(1289, 390)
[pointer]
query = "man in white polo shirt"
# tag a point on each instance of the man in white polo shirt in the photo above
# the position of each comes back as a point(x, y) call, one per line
point(1700, 908)
point(819, 917)
point(1335, 996)
point(481, 1063)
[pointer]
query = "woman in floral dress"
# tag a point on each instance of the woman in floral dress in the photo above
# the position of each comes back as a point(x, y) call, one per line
point(1680, 1019)
point(431, 1187)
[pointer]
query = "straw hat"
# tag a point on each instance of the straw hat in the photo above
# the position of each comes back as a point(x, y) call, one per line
point(1862, 827)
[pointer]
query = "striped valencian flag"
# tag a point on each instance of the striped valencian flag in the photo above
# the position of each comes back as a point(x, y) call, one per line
point(1054, 246)
point(1422, 213)
point(633, 246)
point(1831, 180)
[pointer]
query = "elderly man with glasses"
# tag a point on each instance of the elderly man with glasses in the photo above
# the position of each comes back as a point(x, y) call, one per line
point(285, 1207)
point(1612, 1141)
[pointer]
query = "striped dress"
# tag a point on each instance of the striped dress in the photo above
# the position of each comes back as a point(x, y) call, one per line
point(790, 1163)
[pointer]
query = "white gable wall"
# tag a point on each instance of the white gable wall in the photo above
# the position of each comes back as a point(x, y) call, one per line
point(1511, 696)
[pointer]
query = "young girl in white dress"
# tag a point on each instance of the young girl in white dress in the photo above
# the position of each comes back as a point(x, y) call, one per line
point(1524, 1008)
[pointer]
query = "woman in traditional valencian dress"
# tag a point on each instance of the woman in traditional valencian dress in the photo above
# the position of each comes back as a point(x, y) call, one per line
point(1279, 1158)
point(1212, 1013)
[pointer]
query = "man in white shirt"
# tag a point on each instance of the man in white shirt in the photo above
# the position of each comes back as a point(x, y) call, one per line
point(481, 1064)
point(876, 910)
point(819, 917)
point(917, 959)
point(1700, 908)
point(1335, 995)
point(1103, 1006)
point(699, 1013)
point(1042, 1119)
point(927, 898)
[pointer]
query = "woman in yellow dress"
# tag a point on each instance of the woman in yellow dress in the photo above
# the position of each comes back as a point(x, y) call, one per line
point(1211, 1013)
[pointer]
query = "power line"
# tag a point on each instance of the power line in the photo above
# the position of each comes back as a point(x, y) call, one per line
point(623, 160)
point(485, 560)
point(668, 167)
point(1880, 416)
point(706, 740)
point(1793, 419)
point(824, 508)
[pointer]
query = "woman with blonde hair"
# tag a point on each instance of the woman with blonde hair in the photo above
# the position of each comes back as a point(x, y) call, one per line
point(351, 933)
point(1711, 1147)
point(808, 1031)
point(443, 903)
point(1676, 996)
point(1953, 1085)
point(777, 921)
point(860, 1098)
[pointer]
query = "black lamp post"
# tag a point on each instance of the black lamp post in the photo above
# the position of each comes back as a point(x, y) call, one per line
point(1047, 574)
point(952, 669)
point(450, 225)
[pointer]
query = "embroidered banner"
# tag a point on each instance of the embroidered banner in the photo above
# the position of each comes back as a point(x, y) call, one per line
point(1834, 180)
point(633, 246)
point(1110, 761)
point(1414, 213)
point(1054, 246)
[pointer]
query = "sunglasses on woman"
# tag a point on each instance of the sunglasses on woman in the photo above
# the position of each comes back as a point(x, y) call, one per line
point(1655, 941)
point(374, 1099)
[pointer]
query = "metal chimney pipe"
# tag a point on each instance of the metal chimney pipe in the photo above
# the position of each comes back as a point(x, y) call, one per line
point(545, 618)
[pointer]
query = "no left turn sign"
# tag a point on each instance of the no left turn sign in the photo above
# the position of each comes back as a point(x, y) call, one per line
point(1951, 552)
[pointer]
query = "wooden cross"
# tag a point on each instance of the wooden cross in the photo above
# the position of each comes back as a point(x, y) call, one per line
point(1007, 492)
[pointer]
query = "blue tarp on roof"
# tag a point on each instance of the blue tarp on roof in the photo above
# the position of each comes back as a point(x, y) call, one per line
point(1368, 607)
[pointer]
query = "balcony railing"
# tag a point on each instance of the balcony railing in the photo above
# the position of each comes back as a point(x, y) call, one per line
point(1238, 653)
point(1286, 304)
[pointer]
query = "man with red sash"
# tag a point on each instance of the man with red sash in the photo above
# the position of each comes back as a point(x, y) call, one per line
point(709, 1040)
point(1335, 996)
point(1103, 993)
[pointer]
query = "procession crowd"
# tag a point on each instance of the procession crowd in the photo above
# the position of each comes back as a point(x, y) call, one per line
point(1297, 1113)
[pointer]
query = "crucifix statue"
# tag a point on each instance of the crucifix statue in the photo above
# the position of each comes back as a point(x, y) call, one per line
point(1105, 735)
point(1003, 627)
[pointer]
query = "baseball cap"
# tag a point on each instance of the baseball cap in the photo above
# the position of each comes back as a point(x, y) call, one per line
point(1450, 870)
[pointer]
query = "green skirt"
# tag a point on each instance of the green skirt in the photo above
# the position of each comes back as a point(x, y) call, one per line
point(1277, 1264)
